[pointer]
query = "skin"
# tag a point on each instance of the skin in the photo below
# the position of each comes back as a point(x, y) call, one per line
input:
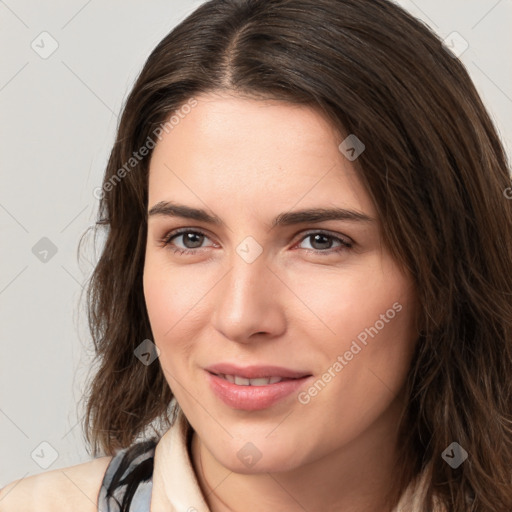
point(247, 161)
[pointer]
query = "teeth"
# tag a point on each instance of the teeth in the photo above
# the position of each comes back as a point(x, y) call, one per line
point(242, 381)
point(260, 382)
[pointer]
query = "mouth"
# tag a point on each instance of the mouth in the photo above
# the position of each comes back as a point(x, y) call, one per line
point(253, 372)
point(261, 381)
point(257, 388)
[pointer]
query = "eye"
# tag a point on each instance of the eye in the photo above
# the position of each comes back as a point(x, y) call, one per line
point(192, 237)
point(322, 238)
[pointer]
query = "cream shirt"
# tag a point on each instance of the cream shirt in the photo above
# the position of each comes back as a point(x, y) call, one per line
point(175, 486)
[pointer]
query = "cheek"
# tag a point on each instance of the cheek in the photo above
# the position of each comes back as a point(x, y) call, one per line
point(170, 296)
point(369, 318)
point(365, 367)
point(169, 314)
point(359, 299)
point(169, 303)
point(160, 302)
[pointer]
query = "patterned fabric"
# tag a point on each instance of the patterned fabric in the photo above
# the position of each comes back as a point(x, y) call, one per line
point(128, 480)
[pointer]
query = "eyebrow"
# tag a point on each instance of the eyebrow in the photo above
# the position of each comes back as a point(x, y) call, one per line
point(311, 215)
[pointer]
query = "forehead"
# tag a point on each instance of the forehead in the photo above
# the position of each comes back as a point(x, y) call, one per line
point(256, 154)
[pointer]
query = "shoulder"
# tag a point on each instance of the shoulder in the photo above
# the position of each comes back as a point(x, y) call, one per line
point(71, 488)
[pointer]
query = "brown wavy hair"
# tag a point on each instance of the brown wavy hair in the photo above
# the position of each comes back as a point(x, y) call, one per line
point(433, 166)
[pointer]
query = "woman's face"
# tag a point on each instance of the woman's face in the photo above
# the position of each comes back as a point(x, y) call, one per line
point(338, 318)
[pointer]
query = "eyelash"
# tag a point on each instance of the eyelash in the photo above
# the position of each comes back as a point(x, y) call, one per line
point(166, 241)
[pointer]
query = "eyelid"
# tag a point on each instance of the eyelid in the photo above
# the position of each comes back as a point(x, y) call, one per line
point(343, 238)
point(179, 231)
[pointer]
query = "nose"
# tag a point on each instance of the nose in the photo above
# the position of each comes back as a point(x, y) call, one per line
point(249, 301)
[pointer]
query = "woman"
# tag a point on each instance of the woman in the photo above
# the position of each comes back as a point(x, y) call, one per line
point(304, 297)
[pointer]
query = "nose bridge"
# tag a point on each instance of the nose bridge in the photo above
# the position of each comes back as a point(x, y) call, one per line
point(244, 287)
point(246, 303)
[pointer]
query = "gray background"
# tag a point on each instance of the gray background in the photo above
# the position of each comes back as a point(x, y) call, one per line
point(58, 118)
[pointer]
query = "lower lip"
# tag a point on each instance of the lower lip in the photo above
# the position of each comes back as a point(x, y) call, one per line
point(253, 398)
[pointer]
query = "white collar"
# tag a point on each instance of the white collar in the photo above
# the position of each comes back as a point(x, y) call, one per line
point(175, 486)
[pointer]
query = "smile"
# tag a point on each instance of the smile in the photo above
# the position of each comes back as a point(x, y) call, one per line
point(242, 381)
point(253, 394)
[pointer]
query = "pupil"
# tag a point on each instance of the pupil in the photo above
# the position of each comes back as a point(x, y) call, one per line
point(315, 237)
point(190, 236)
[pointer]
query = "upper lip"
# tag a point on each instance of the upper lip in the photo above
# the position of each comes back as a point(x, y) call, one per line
point(256, 372)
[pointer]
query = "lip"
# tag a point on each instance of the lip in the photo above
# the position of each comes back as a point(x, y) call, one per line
point(254, 398)
point(256, 371)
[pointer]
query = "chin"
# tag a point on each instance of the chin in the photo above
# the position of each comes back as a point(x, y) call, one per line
point(260, 456)
point(272, 465)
